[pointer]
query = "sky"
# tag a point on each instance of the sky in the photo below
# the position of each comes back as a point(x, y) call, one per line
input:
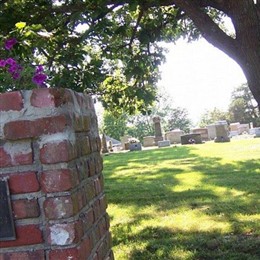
point(199, 77)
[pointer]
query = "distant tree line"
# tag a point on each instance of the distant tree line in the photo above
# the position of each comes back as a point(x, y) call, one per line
point(243, 108)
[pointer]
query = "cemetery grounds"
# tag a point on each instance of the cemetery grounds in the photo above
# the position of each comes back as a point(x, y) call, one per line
point(186, 202)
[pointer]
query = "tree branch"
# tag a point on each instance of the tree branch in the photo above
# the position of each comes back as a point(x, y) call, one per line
point(209, 30)
point(140, 15)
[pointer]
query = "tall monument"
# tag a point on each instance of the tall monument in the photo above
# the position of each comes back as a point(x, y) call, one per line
point(157, 129)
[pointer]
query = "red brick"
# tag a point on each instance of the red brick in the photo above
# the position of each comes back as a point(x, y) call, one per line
point(97, 211)
point(101, 179)
point(99, 163)
point(85, 101)
point(81, 198)
point(81, 123)
point(5, 158)
point(81, 166)
point(97, 186)
point(64, 234)
point(23, 182)
point(91, 167)
point(85, 248)
point(90, 191)
point(77, 123)
point(60, 207)
point(59, 180)
point(50, 97)
point(15, 153)
point(102, 226)
point(11, 101)
point(102, 250)
point(93, 144)
point(25, 235)
point(34, 128)
point(86, 123)
point(25, 209)
point(107, 221)
point(68, 253)
point(98, 141)
point(57, 152)
point(22, 158)
point(87, 219)
point(96, 236)
point(83, 146)
point(103, 203)
point(29, 255)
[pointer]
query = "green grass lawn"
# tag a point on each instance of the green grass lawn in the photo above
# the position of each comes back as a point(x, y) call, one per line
point(186, 202)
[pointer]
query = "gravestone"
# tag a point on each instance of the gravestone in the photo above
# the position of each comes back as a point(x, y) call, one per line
point(202, 131)
point(157, 129)
point(148, 141)
point(243, 129)
point(135, 146)
point(234, 127)
point(104, 144)
point(257, 132)
point(222, 134)
point(174, 136)
point(191, 139)
point(164, 143)
point(110, 146)
point(211, 131)
point(125, 142)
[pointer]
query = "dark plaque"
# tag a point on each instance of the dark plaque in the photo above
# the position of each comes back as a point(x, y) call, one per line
point(7, 231)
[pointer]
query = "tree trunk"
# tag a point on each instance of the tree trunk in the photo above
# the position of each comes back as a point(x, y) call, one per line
point(246, 21)
point(252, 73)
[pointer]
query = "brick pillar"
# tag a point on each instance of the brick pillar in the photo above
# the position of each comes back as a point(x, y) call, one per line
point(50, 153)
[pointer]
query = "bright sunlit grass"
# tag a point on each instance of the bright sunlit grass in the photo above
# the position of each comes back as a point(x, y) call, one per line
point(186, 202)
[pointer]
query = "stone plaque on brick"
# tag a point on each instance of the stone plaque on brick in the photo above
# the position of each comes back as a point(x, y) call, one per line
point(7, 230)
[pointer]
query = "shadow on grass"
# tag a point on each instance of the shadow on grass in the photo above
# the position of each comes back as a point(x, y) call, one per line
point(165, 244)
point(223, 192)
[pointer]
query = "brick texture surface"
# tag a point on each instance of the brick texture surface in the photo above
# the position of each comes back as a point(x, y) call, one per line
point(34, 128)
point(25, 208)
point(11, 101)
point(50, 154)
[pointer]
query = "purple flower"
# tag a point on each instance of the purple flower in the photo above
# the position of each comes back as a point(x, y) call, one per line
point(2, 63)
point(39, 78)
point(39, 69)
point(13, 68)
point(16, 75)
point(11, 61)
point(10, 43)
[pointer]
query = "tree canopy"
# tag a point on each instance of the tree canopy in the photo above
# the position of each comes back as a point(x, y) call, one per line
point(243, 107)
point(112, 48)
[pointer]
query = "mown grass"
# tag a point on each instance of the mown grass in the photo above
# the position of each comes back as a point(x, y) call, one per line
point(186, 202)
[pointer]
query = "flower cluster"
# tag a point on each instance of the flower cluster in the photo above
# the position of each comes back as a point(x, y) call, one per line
point(39, 77)
point(12, 67)
point(15, 69)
